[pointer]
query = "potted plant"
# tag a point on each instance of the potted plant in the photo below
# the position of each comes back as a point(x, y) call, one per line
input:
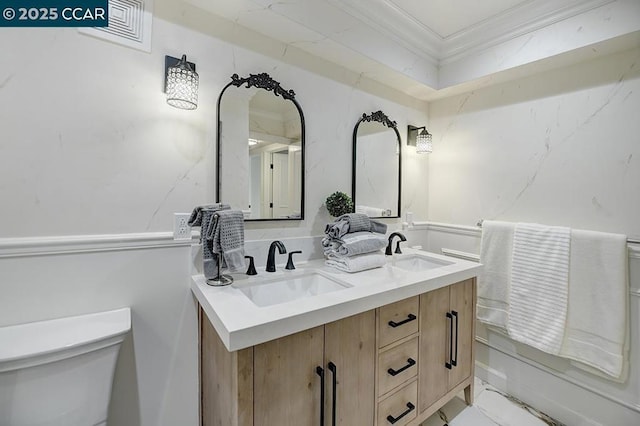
point(338, 204)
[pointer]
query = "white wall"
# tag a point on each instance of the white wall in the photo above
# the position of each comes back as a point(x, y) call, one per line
point(89, 139)
point(558, 148)
point(156, 373)
point(89, 147)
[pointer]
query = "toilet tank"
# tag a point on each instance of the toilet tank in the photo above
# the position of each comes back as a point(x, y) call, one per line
point(60, 372)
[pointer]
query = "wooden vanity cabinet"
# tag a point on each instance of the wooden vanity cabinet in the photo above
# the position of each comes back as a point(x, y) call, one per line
point(398, 362)
point(395, 365)
point(446, 349)
point(279, 382)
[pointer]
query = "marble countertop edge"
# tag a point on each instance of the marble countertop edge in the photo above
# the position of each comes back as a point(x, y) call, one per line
point(241, 324)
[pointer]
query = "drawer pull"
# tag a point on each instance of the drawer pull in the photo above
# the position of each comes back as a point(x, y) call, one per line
point(410, 363)
point(320, 372)
point(454, 360)
point(449, 363)
point(410, 318)
point(410, 408)
point(334, 370)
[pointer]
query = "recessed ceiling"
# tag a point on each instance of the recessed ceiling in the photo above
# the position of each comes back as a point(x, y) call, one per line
point(424, 48)
point(447, 17)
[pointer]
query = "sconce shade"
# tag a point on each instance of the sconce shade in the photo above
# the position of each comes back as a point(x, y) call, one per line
point(182, 85)
point(423, 142)
point(420, 139)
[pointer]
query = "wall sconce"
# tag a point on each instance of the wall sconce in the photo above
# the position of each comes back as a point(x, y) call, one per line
point(181, 82)
point(420, 139)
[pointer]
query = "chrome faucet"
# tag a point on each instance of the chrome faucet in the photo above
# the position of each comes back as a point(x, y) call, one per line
point(402, 238)
point(271, 258)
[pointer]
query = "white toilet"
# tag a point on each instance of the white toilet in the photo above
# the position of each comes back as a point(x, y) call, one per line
point(59, 372)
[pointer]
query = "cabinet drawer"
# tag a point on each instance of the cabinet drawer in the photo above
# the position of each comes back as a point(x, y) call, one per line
point(399, 408)
point(397, 320)
point(397, 365)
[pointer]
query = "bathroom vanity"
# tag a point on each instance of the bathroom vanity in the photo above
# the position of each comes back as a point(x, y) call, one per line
point(316, 346)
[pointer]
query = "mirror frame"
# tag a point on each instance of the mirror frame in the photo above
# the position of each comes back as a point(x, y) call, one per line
point(382, 118)
point(260, 81)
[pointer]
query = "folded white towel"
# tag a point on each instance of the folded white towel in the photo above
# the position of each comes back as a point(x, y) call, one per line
point(539, 286)
point(597, 318)
point(356, 263)
point(494, 280)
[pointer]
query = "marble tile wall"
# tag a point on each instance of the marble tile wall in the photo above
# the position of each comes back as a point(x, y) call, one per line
point(558, 148)
point(90, 146)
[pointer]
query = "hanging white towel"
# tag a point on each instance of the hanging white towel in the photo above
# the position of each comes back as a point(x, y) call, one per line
point(496, 247)
point(597, 318)
point(539, 286)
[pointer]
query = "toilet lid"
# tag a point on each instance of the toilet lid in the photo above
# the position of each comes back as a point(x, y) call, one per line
point(25, 341)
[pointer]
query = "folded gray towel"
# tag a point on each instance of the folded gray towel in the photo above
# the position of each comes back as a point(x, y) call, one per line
point(357, 221)
point(209, 260)
point(354, 243)
point(196, 215)
point(226, 233)
point(337, 229)
point(378, 227)
point(353, 222)
point(202, 216)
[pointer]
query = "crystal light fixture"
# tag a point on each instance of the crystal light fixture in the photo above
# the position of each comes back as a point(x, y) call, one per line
point(423, 142)
point(420, 139)
point(181, 84)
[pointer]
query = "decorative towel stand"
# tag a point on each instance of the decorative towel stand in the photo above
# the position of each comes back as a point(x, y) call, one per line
point(220, 279)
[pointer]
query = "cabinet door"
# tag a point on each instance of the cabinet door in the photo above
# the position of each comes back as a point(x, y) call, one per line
point(226, 380)
point(461, 303)
point(433, 376)
point(286, 386)
point(350, 344)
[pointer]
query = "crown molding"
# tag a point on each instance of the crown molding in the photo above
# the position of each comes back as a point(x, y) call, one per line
point(512, 23)
point(395, 23)
point(386, 17)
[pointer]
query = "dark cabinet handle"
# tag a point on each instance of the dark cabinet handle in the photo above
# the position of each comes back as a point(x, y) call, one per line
point(449, 363)
point(410, 318)
point(320, 372)
point(333, 369)
point(410, 408)
point(410, 363)
point(454, 358)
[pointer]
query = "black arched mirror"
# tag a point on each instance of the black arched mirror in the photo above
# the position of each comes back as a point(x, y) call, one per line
point(260, 149)
point(377, 166)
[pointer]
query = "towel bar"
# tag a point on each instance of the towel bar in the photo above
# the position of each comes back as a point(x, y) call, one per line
point(629, 240)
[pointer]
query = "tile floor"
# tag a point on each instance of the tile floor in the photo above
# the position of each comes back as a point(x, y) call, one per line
point(490, 408)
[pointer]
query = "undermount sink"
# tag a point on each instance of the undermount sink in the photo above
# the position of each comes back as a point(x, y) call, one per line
point(416, 263)
point(287, 289)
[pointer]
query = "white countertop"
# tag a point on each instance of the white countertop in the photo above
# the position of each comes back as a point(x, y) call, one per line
point(240, 323)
